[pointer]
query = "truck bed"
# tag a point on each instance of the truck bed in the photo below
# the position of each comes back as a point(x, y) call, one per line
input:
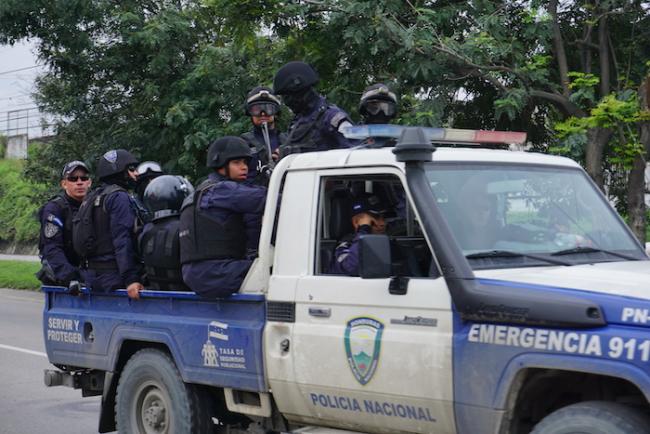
point(213, 342)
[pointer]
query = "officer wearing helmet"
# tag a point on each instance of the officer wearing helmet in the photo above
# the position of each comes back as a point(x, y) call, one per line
point(60, 263)
point(378, 104)
point(147, 172)
point(159, 241)
point(221, 222)
point(317, 125)
point(104, 227)
point(263, 107)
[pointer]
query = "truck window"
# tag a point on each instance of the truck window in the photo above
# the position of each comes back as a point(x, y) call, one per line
point(409, 250)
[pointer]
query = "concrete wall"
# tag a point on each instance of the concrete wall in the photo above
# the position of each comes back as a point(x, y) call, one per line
point(16, 147)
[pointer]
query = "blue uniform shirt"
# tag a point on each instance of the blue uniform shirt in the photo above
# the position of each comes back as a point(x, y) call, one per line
point(122, 215)
point(55, 246)
point(322, 125)
point(346, 255)
point(221, 277)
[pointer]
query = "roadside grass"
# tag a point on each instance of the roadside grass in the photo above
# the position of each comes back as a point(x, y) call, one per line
point(19, 275)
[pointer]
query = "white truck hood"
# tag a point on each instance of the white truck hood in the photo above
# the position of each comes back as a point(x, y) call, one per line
point(626, 278)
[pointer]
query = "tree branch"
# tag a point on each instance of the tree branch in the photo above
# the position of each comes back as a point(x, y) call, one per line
point(560, 101)
point(558, 44)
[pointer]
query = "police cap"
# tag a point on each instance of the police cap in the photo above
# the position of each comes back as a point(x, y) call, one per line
point(294, 77)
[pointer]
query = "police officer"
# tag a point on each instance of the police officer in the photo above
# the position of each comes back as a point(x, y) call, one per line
point(60, 263)
point(221, 222)
point(147, 171)
point(378, 104)
point(318, 125)
point(159, 243)
point(367, 218)
point(263, 107)
point(110, 256)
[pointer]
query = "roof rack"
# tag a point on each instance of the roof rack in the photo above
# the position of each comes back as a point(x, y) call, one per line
point(438, 135)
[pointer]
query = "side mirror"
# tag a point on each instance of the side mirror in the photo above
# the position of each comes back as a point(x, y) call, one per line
point(374, 257)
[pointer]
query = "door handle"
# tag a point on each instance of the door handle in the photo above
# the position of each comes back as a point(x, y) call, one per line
point(320, 312)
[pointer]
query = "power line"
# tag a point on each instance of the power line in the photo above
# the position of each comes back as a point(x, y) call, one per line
point(19, 69)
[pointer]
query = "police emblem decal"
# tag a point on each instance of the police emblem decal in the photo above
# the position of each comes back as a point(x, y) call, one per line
point(111, 156)
point(50, 230)
point(362, 347)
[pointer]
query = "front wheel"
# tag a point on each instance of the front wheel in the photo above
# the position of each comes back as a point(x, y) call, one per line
point(153, 399)
point(594, 417)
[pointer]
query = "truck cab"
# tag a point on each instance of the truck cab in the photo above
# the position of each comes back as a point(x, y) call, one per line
point(505, 296)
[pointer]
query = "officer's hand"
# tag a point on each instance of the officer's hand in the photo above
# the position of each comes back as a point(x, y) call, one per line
point(133, 290)
point(366, 219)
point(275, 155)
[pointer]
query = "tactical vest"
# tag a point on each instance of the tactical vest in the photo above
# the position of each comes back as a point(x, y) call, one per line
point(303, 137)
point(259, 146)
point(67, 215)
point(92, 231)
point(161, 254)
point(203, 237)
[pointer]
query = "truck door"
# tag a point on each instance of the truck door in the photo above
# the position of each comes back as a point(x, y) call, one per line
point(358, 356)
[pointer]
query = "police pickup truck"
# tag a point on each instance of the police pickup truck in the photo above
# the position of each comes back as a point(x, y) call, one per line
point(506, 296)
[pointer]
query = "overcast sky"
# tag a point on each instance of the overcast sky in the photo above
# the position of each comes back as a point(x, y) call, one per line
point(16, 87)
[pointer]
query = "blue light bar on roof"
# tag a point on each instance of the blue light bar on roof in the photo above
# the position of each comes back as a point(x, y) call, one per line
point(440, 135)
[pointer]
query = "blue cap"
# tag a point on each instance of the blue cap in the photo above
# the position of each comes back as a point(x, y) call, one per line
point(370, 204)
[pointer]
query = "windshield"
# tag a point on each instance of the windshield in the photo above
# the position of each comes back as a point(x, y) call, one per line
point(505, 215)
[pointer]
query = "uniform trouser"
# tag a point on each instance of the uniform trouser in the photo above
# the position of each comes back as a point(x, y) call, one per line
point(216, 277)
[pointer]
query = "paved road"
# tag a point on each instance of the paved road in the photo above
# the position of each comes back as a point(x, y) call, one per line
point(30, 258)
point(26, 405)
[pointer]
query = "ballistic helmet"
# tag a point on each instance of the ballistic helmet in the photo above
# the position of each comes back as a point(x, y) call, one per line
point(294, 77)
point(165, 194)
point(115, 161)
point(149, 169)
point(377, 101)
point(227, 148)
point(261, 99)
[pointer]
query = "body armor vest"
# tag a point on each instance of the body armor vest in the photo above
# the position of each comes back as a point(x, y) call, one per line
point(302, 138)
point(203, 237)
point(160, 250)
point(68, 213)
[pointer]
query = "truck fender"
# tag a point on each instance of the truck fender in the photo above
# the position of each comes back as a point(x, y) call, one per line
point(564, 362)
point(147, 337)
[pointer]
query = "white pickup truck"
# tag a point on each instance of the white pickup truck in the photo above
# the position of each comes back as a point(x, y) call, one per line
point(507, 296)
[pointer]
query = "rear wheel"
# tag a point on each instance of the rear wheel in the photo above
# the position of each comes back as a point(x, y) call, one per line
point(153, 399)
point(594, 417)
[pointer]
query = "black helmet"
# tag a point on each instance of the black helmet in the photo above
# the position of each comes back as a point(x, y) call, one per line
point(165, 194)
point(294, 77)
point(378, 101)
point(261, 99)
point(227, 148)
point(114, 162)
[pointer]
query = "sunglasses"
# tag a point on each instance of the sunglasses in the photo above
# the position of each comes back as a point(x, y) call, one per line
point(267, 108)
point(75, 178)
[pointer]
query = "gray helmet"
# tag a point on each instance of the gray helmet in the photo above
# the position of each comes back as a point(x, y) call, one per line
point(115, 161)
point(227, 148)
point(294, 77)
point(378, 101)
point(165, 195)
point(262, 98)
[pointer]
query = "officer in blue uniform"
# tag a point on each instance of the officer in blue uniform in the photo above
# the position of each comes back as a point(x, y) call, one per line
point(263, 107)
point(318, 125)
point(221, 222)
point(159, 241)
point(111, 261)
point(367, 218)
point(60, 263)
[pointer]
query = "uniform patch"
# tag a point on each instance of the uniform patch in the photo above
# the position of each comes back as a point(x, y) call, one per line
point(338, 118)
point(111, 156)
point(50, 230)
point(362, 347)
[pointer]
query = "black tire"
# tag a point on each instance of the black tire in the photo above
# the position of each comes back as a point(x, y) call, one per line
point(594, 417)
point(152, 398)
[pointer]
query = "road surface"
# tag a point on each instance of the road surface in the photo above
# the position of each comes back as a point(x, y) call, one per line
point(26, 405)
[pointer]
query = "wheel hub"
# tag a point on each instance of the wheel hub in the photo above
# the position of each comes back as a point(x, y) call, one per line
point(153, 412)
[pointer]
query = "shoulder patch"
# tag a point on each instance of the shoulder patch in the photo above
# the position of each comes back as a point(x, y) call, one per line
point(50, 230)
point(55, 220)
point(338, 118)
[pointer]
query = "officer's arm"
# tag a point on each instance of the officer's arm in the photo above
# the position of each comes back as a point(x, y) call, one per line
point(237, 197)
point(52, 235)
point(346, 255)
point(122, 224)
point(337, 121)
